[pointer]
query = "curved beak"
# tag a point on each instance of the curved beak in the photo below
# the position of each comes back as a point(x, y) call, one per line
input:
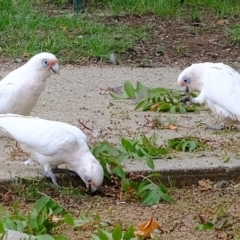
point(91, 186)
point(55, 68)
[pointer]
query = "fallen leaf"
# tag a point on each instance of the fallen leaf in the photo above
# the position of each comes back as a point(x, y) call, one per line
point(172, 127)
point(205, 185)
point(146, 229)
point(56, 219)
point(154, 107)
point(221, 22)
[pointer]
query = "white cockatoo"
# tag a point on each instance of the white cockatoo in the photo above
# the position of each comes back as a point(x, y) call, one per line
point(219, 87)
point(21, 88)
point(52, 143)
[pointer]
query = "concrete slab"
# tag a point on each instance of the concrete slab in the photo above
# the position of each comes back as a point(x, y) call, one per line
point(75, 94)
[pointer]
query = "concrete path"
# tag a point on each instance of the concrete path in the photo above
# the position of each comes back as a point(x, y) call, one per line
point(75, 94)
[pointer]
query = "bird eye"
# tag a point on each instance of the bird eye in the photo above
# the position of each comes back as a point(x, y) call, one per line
point(45, 63)
point(88, 179)
point(187, 80)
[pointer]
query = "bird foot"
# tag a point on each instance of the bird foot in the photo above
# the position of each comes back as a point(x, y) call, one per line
point(50, 174)
point(65, 171)
point(216, 127)
point(221, 127)
point(187, 100)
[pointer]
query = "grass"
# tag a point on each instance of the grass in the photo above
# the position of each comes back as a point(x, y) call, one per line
point(26, 31)
point(28, 28)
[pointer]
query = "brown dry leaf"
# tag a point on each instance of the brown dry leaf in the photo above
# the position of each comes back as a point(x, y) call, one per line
point(154, 107)
point(56, 219)
point(205, 185)
point(221, 22)
point(146, 229)
point(172, 127)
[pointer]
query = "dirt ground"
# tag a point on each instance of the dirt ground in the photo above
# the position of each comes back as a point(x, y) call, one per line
point(79, 90)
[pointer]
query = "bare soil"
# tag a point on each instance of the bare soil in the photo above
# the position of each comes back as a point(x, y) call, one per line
point(193, 205)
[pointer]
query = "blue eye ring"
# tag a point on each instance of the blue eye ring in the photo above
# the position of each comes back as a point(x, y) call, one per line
point(187, 80)
point(45, 63)
point(88, 179)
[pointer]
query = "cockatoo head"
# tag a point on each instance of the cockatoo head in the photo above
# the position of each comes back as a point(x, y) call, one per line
point(92, 173)
point(191, 77)
point(44, 63)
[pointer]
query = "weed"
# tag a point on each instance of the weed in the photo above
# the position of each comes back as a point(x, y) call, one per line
point(160, 49)
point(234, 33)
point(112, 158)
point(45, 215)
point(181, 49)
point(156, 99)
point(185, 144)
point(220, 221)
point(116, 234)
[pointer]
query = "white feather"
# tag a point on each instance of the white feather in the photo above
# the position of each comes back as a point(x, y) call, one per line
point(54, 143)
point(219, 87)
point(21, 88)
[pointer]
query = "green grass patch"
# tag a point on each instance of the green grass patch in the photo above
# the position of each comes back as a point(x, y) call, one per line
point(235, 32)
point(25, 31)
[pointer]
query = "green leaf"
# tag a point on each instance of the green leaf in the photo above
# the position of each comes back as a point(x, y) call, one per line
point(192, 146)
point(119, 171)
point(127, 145)
point(157, 91)
point(141, 104)
point(129, 89)
point(142, 91)
point(154, 175)
point(69, 219)
point(2, 230)
point(151, 197)
point(129, 234)
point(39, 205)
point(60, 237)
point(184, 145)
point(44, 237)
point(117, 233)
point(9, 224)
point(182, 109)
point(150, 162)
point(164, 107)
point(95, 237)
point(208, 226)
point(20, 225)
point(102, 235)
point(145, 187)
point(125, 184)
point(119, 97)
point(173, 109)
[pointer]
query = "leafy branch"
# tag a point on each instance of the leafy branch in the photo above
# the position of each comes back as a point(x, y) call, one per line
point(157, 99)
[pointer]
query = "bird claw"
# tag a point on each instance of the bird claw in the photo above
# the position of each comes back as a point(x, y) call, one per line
point(222, 127)
point(216, 127)
point(186, 100)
